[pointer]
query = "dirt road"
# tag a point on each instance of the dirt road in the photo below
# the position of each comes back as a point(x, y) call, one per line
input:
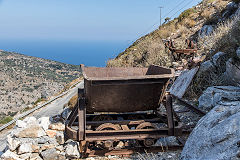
point(56, 107)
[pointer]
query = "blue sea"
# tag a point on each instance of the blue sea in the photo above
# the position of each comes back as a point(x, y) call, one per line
point(90, 53)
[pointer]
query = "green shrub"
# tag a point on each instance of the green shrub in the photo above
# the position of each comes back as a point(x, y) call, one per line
point(26, 109)
point(39, 100)
point(6, 120)
point(186, 13)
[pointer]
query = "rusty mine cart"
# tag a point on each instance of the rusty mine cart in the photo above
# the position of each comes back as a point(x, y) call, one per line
point(120, 108)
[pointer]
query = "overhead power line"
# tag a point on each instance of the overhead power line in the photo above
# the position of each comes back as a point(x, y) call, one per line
point(174, 8)
point(166, 15)
point(182, 8)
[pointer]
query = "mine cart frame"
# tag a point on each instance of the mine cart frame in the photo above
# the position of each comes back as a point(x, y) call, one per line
point(174, 127)
point(110, 129)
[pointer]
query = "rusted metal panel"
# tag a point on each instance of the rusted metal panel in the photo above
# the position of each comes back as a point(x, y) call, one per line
point(191, 107)
point(181, 84)
point(128, 134)
point(185, 51)
point(124, 89)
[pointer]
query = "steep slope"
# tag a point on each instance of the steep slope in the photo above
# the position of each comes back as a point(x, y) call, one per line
point(25, 79)
point(150, 49)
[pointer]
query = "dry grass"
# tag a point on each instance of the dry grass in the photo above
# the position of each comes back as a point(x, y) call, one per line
point(147, 156)
point(221, 4)
point(186, 14)
point(189, 23)
point(147, 52)
point(225, 38)
point(73, 101)
point(208, 13)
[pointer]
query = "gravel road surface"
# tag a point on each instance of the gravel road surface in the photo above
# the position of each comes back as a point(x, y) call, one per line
point(56, 107)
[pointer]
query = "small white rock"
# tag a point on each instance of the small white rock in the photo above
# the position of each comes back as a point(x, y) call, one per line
point(72, 150)
point(25, 148)
point(44, 122)
point(21, 124)
point(57, 126)
point(12, 143)
point(10, 155)
point(30, 120)
point(60, 137)
point(33, 131)
point(25, 156)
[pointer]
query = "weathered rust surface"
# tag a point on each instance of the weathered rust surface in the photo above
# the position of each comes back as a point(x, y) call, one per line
point(124, 89)
point(190, 50)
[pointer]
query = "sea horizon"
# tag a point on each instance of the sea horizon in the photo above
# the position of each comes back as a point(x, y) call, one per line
point(90, 53)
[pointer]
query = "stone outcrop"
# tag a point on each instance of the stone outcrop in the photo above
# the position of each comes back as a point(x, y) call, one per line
point(217, 61)
point(217, 134)
point(33, 131)
point(215, 95)
point(205, 30)
point(232, 74)
point(40, 139)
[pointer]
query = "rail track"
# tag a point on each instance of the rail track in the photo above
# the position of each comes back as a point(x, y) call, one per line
point(130, 151)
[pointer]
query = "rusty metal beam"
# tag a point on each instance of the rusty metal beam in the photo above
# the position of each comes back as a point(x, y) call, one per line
point(130, 151)
point(189, 106)
point(169, 110)
point(139, 134)
point(125, 122)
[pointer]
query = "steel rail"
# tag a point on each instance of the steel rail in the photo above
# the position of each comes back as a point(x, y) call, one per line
point(131, 151)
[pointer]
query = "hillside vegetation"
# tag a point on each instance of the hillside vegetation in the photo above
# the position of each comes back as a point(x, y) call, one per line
point(212, 24)
point(26, 80)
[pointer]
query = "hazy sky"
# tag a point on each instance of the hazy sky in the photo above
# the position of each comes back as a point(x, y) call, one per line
point(84, 19)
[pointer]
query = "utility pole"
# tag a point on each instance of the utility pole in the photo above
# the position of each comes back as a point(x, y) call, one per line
point(160, 15)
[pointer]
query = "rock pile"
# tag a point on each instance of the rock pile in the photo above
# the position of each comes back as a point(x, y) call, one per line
point(217, 134)
point(34, 139)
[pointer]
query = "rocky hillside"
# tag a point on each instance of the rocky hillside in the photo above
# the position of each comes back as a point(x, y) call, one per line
point(213, 25)
point(25, 80)
point(150, 48)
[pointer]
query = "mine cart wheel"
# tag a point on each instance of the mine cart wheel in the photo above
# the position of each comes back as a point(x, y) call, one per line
point(102, 118)
point(148, 142)
point(108, 144)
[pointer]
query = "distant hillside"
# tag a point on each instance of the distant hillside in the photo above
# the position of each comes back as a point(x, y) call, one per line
point(25, 80)
point(212, 24)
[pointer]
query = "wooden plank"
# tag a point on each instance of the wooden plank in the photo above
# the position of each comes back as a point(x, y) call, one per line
point(180, 86)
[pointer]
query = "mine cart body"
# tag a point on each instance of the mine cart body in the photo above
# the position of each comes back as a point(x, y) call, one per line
point(124, 89)
point(122, 104)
